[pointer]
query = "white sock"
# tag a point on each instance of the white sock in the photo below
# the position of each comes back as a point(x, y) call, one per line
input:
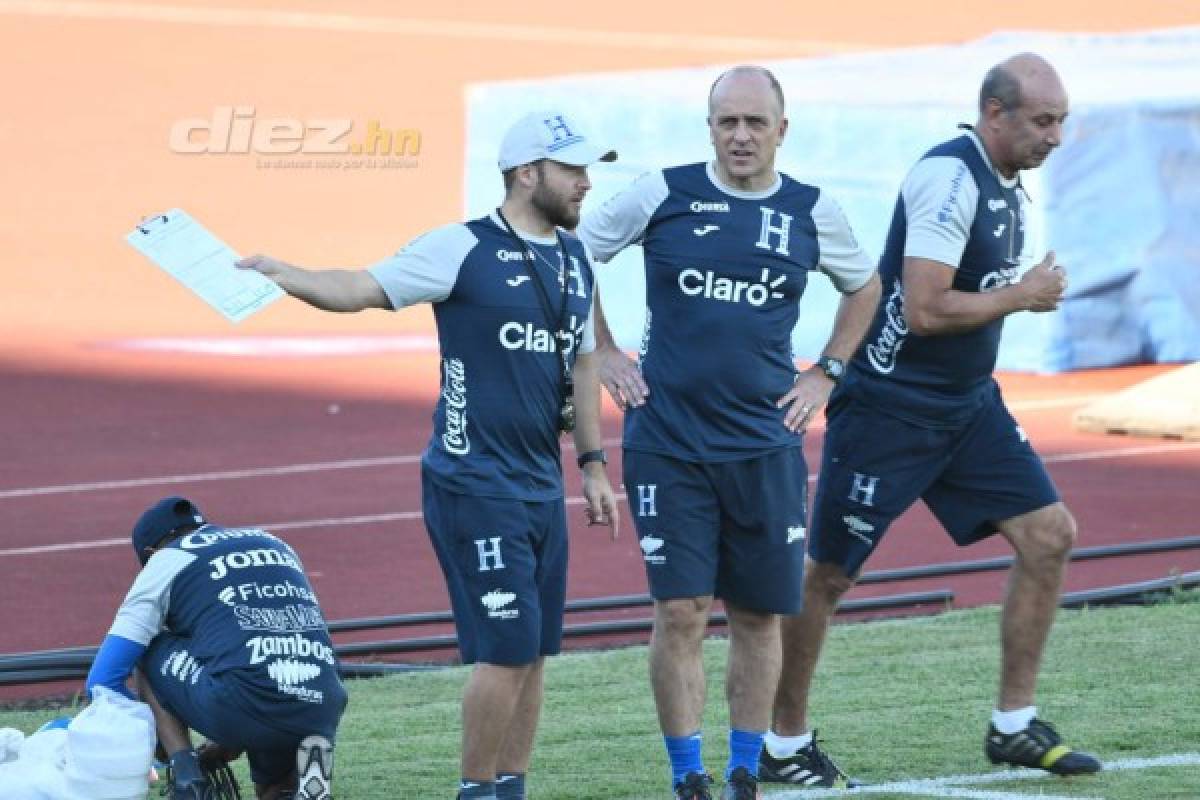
point(1009, 722)
point(784, 746)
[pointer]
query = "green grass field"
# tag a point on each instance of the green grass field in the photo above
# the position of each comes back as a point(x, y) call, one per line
point(895, 700)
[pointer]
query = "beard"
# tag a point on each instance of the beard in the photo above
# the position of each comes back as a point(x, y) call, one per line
point(554, 208)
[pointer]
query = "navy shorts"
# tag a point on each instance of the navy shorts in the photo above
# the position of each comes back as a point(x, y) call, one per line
point(230, 712)
point(875, 466)
point(733, 529)
point(505, 563)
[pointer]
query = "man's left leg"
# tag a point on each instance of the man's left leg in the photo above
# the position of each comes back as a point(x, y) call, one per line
point(1042, 541)
point(751, 676)
point(514, 758)
point(759, 576)
point(995, 482)
point(490, 708)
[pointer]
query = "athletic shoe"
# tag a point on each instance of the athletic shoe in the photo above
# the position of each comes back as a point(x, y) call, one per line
point(314, 768)
point(178, 789)
point(1038, 746)
point(694, 786)
point(742, 785)
point(808, 768)
point(186, 781)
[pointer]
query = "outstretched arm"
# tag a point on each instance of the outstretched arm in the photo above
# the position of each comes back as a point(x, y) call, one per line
point(327, 289)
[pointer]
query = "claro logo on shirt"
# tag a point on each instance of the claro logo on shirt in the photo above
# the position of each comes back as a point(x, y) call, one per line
point(708, 284)
point(530, 338)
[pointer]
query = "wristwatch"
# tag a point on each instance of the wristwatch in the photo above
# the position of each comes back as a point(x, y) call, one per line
point(834, 368)
point(590, 456)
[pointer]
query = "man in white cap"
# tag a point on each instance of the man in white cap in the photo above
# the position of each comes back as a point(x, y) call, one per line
point(512, 295)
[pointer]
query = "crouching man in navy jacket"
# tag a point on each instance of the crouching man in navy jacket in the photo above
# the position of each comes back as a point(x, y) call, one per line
point(227, 638)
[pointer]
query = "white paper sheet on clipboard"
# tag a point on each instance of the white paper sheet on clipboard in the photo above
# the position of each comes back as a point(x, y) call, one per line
point(203, 263)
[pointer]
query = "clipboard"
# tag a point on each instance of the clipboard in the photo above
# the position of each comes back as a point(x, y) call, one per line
point(203, 263)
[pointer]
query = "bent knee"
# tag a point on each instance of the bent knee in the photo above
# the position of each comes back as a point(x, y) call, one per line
point(1049, 532)
point(827, 579)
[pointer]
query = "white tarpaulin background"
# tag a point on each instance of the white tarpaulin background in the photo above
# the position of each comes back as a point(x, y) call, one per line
point(1119, 201)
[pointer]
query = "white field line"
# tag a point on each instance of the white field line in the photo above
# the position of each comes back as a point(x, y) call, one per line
point(952, 785)
point(388, 461)
point(431, 28)
point(331, 522)
point(225, 475)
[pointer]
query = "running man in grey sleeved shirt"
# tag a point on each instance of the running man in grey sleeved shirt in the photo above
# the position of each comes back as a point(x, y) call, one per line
point(919, 416)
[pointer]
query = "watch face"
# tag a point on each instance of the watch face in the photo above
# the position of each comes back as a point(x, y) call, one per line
point(832, 367)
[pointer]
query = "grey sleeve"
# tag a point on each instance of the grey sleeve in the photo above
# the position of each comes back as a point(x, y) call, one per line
point(426, 269)
point(939, 202)
point(141, 616)
point(841, 256)
point(621, 220)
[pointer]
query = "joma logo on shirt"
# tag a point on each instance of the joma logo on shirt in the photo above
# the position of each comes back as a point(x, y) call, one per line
point(260, 557)
point(708, 284)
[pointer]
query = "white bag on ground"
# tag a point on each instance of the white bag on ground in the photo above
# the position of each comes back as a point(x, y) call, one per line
point(10, 744)
point(105, 753)
point(110, 748)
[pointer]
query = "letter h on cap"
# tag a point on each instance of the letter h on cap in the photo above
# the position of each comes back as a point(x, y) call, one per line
point(561, 133)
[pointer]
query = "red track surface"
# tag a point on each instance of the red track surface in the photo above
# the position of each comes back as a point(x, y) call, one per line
point(139, 419)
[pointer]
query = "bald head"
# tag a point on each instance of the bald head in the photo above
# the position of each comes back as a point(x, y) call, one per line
point(746, 126)
point(741, 78)
point(1022, 108)
point(1012, 80)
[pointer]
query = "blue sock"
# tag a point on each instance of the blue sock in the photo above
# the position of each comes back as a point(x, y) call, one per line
point(510, 786)
point(744, 747)
point(684, 752)
point(476, 790)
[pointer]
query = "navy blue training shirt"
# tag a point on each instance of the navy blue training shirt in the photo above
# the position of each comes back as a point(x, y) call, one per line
point(242, 603)
point(955, 209)
point(495, 428)
point(725, 270)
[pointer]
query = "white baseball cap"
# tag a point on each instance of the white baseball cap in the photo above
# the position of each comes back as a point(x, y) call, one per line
point(552, 135)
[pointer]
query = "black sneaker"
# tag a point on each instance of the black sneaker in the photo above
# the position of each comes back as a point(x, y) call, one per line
point(192, 790)
point(742, 785)
point(809, 768)
point(314, 769)
point(185, 781)
point(1038, 746)
point(694, 786)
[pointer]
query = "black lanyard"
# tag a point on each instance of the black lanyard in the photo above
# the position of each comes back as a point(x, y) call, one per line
point(530, 259)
